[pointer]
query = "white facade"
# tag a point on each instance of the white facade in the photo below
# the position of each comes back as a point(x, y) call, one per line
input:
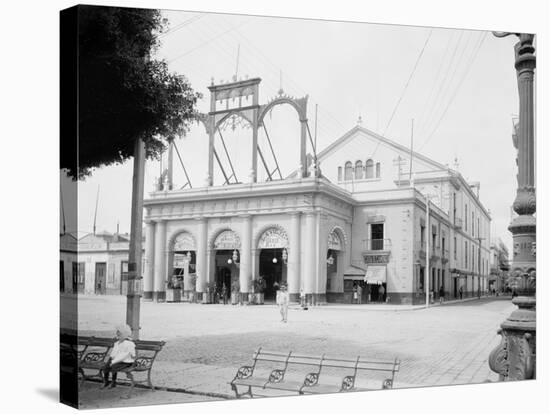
point(336, 229)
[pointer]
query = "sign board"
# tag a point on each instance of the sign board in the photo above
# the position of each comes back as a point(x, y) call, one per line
point(227, 240)
point(274, 238)
point(377, 258)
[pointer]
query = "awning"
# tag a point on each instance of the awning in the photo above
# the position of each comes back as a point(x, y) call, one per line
point(375, 275)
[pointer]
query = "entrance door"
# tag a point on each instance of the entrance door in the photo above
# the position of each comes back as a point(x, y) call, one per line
point(271, 268)
point(100, 276)
point(223, 277)
point(62, 276)
point(455, 287)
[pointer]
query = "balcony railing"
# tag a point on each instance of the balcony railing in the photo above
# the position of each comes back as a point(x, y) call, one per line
point(376, 244)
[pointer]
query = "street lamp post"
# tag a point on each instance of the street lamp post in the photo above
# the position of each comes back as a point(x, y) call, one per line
point(515, 357)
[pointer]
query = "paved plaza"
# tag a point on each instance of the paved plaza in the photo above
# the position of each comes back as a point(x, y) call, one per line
point(205, 344)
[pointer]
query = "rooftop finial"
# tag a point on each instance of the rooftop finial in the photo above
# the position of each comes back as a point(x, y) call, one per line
point(456, 164)
point(360, 120)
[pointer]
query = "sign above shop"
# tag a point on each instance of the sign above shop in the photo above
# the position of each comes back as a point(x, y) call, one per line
point(377, 258)
point(227, 240)
point(274, 238)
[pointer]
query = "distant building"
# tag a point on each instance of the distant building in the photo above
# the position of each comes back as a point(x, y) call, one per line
point(498, 279)
point(103, 263)
point(68, 268)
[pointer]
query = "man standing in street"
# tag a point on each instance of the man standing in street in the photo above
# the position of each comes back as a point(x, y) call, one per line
point(359, 293)
point(282, 302)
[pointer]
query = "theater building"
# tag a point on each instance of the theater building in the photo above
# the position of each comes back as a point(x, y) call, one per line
point(349, 214)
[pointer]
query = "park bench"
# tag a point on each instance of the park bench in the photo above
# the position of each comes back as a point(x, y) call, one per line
point(309, 374)
point(93, 352)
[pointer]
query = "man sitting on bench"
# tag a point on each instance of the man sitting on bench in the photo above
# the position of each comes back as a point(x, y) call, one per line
point(122, 355)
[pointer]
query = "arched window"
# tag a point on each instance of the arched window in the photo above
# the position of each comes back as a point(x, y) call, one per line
point(377, 170)
point(369, 169)
point(348, 171)
point(358, 170)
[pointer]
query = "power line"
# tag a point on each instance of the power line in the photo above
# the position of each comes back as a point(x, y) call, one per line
point(180, 25)
point(408, 81)
point(470, 63)
point(433, 107)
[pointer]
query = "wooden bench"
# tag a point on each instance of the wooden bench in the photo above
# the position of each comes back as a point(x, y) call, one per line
point(92, 353)
point(309, 374)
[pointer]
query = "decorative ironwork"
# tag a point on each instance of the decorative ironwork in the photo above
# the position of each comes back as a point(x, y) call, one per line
point(244, 372)
point(94, 357)
point(277, 375)
point(515, 357)
point(143, 363)
point(234, 121)
point(348, 382)
point(311, 379)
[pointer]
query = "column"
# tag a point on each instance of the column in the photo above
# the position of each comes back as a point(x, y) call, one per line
point(148, 280)
point(159, 293)
point(254, 166)
point(303, 160)
point(255, 253)
point(170, 165)
point(245, 271)
point(310, 255)
point(210, 173)
point(201, 258)
point(293, 276)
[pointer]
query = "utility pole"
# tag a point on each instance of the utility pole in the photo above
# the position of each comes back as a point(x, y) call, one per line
point(427, 272)
point(133, 296)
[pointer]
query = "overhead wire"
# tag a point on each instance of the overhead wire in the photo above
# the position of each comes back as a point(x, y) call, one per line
point(455, 92)
point(408, 81)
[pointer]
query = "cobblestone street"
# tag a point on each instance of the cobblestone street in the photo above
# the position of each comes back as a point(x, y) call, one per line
point(441, 345)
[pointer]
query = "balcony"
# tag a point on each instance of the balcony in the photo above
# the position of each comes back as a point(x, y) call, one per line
point(376, 245)
point(445, 255)
point(435, 251)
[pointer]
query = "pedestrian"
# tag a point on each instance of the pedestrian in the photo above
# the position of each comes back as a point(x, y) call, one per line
point(224, 294)
point(381, 292)
point(355, 293)
point(441, 294)
point(460, 292)
point(302, 298)
point(359, 293)
point(282, 302)
point(122, 355)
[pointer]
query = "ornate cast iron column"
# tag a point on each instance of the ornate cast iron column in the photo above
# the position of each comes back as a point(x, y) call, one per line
point(515, 357)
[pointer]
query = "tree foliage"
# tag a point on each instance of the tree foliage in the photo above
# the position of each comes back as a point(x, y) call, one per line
point(124, 93)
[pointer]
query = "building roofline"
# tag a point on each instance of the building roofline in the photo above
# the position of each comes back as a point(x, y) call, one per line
point(340, 141)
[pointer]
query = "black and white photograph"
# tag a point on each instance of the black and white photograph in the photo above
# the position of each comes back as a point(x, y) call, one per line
point(255, 205)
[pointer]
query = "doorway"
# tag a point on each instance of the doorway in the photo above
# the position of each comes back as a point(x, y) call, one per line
point(272, 270)
point(100, 273)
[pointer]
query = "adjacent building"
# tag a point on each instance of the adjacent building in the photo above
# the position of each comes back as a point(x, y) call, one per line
point(499, 265)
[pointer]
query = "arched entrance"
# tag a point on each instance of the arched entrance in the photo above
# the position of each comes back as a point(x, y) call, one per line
point(183, 264)
point(335, 248)
point(273, 248)
point(226, 264)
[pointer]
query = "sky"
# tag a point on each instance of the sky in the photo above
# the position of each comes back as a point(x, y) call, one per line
point(459, 87)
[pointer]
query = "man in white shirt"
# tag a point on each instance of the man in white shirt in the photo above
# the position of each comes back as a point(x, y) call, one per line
point(122, 355)
point(282, 302)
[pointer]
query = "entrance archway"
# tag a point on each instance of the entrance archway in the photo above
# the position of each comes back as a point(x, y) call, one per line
point(334, 262)
point(183, 261)
point(226, 245)
point(273, 255)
